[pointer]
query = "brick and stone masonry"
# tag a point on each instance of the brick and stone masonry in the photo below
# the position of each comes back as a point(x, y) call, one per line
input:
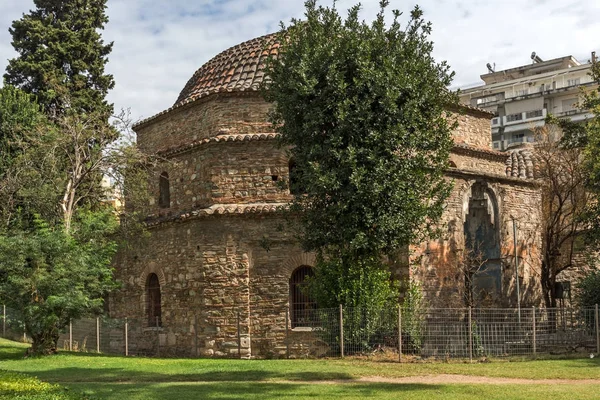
point(223, 253)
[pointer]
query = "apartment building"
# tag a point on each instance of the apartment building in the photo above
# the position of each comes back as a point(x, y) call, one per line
point(522, 97)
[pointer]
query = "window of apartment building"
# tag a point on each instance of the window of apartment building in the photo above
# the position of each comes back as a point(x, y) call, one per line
point(518, 138)
point(521, 92)
point(573, 82)
point(569, 105)
point(514, 117)
point(534, 114)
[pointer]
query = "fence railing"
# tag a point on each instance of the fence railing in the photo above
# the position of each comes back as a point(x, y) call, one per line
point(395, 332)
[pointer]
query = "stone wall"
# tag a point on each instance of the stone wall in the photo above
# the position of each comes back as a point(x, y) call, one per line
point(438, 264)
point(473, 128)
point(213, 269)
point(235, 113)
point(224, 173)
point(224, 255)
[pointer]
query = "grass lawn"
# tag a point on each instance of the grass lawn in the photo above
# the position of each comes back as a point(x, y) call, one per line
point(110, 377)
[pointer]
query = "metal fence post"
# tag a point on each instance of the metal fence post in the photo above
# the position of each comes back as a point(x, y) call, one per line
point(597, 330)
point(287, 333)
point(470, 336)
point(341, 331)
point(97, 334)
point(70, 334)
point(126, 338)
point(239, 336)
point(4, 320)
point(157, 336)
point(533, 326)
point(399, 333)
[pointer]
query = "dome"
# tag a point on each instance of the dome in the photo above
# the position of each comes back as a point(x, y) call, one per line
point(237, 69)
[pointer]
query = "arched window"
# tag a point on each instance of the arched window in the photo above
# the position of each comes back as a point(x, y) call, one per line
point(153, 311)
point(164, 197)
point(301, 305)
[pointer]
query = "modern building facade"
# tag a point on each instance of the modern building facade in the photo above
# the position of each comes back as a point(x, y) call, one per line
point(520, 98)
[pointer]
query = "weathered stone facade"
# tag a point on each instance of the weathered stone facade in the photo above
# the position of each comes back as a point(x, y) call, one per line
point(222, 250)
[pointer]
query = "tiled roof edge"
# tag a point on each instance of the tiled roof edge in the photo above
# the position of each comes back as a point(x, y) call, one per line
point(217, 209)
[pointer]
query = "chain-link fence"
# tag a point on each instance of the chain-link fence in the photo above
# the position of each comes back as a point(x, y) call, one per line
point(433, 333)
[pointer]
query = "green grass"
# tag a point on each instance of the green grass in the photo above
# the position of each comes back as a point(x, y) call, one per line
point(16, 386)
point(112, 377)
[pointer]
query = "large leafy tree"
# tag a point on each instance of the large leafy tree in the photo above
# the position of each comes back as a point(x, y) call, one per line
point(62, 56)
point(362, 109)
point(58, 235)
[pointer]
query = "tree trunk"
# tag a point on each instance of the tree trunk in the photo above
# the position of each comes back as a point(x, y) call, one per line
point(44, 343)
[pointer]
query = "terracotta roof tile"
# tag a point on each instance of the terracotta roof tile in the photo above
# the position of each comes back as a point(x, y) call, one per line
point(217, 209)
point(239, 61)
point(247, 137)
point(522, 162)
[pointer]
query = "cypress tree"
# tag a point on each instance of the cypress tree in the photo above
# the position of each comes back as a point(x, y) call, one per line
point(62, 56)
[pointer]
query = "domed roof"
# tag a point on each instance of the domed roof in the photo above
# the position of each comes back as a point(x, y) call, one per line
point(239, 68)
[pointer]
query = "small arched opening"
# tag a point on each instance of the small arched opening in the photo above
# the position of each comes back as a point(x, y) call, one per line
point(153, 301)
point(164, 197)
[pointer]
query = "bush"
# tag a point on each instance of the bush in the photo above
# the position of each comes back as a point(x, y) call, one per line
point(589, 294)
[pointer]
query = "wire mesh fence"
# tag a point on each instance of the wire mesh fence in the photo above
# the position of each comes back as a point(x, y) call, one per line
point(395, 332)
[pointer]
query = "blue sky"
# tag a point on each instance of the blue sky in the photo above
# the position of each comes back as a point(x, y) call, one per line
point(158, 44)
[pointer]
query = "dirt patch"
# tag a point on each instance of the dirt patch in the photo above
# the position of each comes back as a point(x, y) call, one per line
point(469, 379)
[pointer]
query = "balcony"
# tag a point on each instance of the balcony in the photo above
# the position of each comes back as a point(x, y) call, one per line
point(524, 117)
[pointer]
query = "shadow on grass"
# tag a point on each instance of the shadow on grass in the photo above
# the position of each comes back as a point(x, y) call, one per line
point(11, 352)
point(118, 375)
point(244, 390)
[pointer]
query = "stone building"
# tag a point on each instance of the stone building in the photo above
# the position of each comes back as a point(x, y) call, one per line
point(219, 255)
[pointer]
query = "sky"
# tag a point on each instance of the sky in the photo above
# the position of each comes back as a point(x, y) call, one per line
point(158, 44)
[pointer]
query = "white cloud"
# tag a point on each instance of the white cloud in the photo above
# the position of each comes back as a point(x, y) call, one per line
point(158, 44)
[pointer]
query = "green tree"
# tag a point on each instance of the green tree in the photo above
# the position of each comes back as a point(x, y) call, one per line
point(589, 290)
point(58, 235)
point(51, 276)
point(62, 56)
point(362, 109)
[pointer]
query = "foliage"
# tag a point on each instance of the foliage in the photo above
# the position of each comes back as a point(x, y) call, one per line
point(585, 136)
point(51, 276)
point(362, 110)
point(367, 291)
point(413, 315)
point(589, 290)
point(19, 113)
point(58, 233)
point(565, 207)
point(62, 56)
point(362, 283)
point(362, 107)
point(17, 386)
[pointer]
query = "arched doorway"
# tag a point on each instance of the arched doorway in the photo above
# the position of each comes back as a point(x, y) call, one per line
point(481, 259)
